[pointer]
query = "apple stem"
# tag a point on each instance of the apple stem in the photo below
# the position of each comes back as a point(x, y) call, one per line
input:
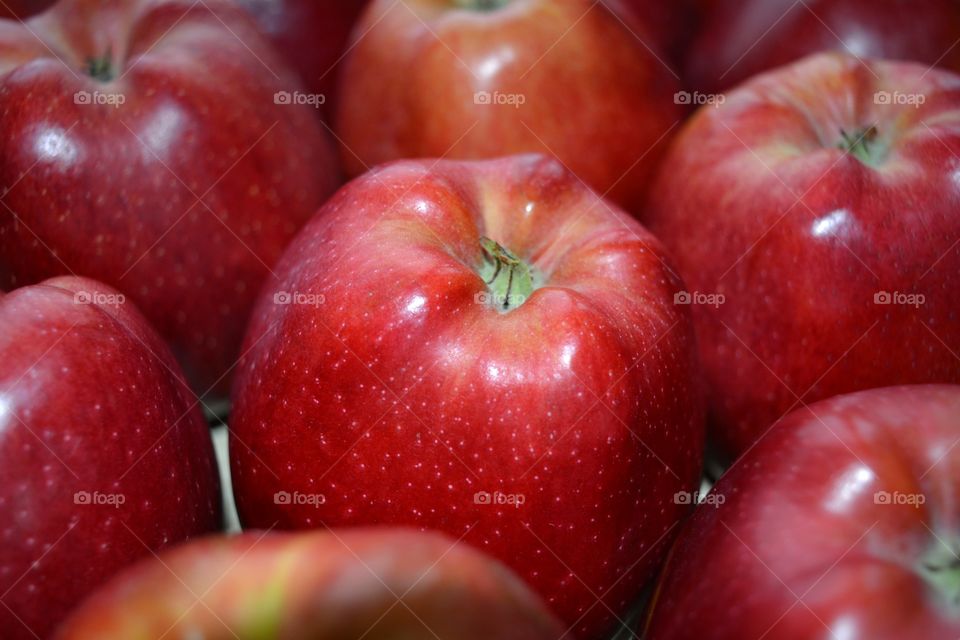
point(100, 68)
point(509, 280)
point(861, 144)
point(943, 572)
point(481, 5)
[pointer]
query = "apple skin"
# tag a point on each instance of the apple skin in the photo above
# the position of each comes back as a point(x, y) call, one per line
point(758, 203)
point(91, 400)
point(594, 96)
point(23, 8)
point(397, 391)
point(323, 585)
point(312, 35)
point(110, 191)
point(738, 39)
point(671, 25)
point(802, 516)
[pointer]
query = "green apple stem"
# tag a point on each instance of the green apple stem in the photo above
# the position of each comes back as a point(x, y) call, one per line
point(509, 280)
point(862, 145)
point(941, 569)
point(100, 68)
point(481, 5)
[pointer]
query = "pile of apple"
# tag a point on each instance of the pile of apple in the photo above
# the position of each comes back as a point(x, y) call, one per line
point(529, 319)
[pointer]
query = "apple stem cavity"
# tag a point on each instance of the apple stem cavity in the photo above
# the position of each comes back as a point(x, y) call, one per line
point(862, 145)
point(481, 5)
point(100, 68)
point(509, 280)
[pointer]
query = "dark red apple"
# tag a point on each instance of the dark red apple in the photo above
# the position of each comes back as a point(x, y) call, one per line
point(141, 144)
point(331, 585)
point(483, 348)
point(817, 209)
point(671, 24)
point(312, 35)
point(104, 454)
point(740, 38)
point(842, 523)
point(478, 79)
point(23, 8)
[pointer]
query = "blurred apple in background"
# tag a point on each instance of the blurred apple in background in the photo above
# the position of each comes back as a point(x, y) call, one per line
point(483, 348)
point(740, 38)
point(842, 523)
point(378, 584)
point(670, 23)
point(144, 143)
point(814, 216)
point(104, 455)
point(312, 35)
point(480, 79)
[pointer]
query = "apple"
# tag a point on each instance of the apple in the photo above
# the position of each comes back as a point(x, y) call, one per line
point(312, 35)
point(324, 585)
point(740, 38)
point(23, 8)
point(474, 79)
point(485, 348)
point(814, 216)
point(104, 454)
point(144, 143)
point(671, 25)
point(841, 524)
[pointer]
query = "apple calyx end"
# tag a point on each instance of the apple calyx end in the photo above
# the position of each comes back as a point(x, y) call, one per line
point(862, 145)
point(941, 570)
point(509, 280)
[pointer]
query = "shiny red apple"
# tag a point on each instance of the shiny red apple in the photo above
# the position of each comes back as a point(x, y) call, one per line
point(104, 454)
point(480, 79)
point(740, 38)
point(843, 523)
point(312, 35)
point(142, 143)
point(483, 348)
point(814, 216)
point(332, 585)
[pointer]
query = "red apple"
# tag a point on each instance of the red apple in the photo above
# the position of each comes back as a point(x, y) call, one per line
point(670, 23)
point(104, 455)
point(841, 524)
point(312, 35)
point(484, 78)
point(544, 416)
point(331, 585)
point(23, 8)
point(140, 144)
point(740, 38)
point(815, 211)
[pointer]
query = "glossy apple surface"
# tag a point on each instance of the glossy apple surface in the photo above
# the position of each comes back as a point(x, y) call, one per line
point(330, 585)
point(740, 38)
point(820, 208)
point(479, 79)
point(311, 34)
point(141, 145)
point(843, 523)
point(386, 383)
point(104, 454)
